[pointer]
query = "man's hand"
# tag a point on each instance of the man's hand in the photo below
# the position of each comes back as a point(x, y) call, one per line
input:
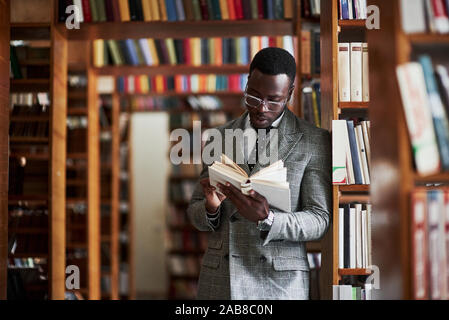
point(253, 207)
point(213, 198)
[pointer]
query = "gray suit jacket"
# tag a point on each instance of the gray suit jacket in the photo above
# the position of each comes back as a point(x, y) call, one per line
point(239, 262)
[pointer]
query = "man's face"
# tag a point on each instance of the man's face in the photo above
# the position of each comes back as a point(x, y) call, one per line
point(268, 87)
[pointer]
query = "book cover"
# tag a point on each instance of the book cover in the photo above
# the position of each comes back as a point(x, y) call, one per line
point(238, 5)
point(356, 165)
point(270, 182)
point(356, 72)
point(171, 10)
point(153, 51)
point(86, 11)
point(435, 207)
point(344, 72)
point(231, 9)
point(205, 10)
point(362, 154)
point(278, 9)
point(346, 240)
point(419, 119)
point(339, 138)
point(224, 9)
point(155, 10)
point(146, 7)
point(341, 217)
point(188, 8)
point(344, 10)
point(440, 120)
point(94, 10)
point(419, 245)
point(180, 13)
point(365, 73)
point(124, 10)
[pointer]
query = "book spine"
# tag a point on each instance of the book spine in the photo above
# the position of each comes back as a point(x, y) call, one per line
point(354, 153)
point(224, 9)
point(365, 73)
point(344, 9)
point(440, 120)
point(204, 10)
point(216, 13)
point(356, 72)
point(346, 240)
point(435, 206)
point(109, 7)
point(180, 13)
point(339, 136)
point(86, 11)
point(231, 9)
point(124, 10)
point(79, 5)
point(344, 72)
point(171, 10)
point(196, 10)
point(278, 9)
point(341, 216)
point(238, 5)
point(163, 10)
point(101, 10)
point(352, 238)
point(131, 51)
point(188, 8)
point(155, 10)
point(288, 9)
point(146, 7)
point(94, 10)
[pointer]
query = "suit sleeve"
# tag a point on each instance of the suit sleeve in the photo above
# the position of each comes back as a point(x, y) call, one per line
point(312, 222)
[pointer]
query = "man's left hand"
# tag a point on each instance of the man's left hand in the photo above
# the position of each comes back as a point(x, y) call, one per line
point(253, 207)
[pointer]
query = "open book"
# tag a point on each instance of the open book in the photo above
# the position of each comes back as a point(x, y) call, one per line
point(270, 182)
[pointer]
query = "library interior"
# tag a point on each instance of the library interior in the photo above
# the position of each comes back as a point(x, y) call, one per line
point(97, 95)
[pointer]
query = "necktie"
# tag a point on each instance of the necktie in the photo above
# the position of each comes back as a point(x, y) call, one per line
point(251, 165)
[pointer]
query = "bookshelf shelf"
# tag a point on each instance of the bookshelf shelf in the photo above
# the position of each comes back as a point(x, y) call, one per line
point(29, 119)
point(30, 31)
point(77, 111)
point(29, 140)
point(28, 230)
point(179, 29)
point(30, 156)
point(29, 85)
point(347, 199)
point(171, 69)
point(352, 23)
point(427, 38)
point(354, 188)
point(183, 94)
point(438, 178)
point(29, 255)
point(354, 272)
point(353, 105)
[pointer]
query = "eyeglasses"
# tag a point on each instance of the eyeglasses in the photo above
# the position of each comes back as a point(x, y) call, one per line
point(269, 106)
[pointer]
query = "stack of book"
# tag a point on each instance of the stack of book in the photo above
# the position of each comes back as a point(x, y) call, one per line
point(190, 51)
point(421, 16)
point(29, 61)
point(310, 52)
point(425, 98)
point(349, 292)
point(177, 10)
point(353, 72)
point(351, 152)
point(430, 244)
point(354, 236)
point(193, 83)
point(352, 9)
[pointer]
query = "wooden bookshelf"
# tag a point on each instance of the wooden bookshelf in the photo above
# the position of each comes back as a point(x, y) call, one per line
point(171, 70)
point(333, 30)
point(4, 132)
point(179, 29)
point(391, 230)
point(54, 158)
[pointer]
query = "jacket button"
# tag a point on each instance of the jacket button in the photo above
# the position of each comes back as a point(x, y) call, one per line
point(263, 259)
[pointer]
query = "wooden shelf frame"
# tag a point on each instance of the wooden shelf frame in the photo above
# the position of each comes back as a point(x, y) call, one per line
point(331, 109)
point(179, 29)
point(390, 47)
point(4, 132)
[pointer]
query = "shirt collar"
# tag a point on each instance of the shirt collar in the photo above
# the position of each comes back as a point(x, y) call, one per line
point(275, 124)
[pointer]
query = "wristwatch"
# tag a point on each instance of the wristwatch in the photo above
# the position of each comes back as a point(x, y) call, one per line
point(265, 225)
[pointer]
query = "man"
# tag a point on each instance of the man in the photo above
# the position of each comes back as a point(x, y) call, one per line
point(255, 251)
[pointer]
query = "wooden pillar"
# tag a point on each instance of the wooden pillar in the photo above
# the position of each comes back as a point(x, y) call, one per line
point(93, 182)
point(4, 146)
point(115, 214)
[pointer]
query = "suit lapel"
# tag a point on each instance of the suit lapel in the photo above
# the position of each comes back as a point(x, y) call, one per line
point(237, 145)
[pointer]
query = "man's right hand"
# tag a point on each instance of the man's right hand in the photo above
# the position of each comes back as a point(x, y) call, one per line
point(213, 198)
